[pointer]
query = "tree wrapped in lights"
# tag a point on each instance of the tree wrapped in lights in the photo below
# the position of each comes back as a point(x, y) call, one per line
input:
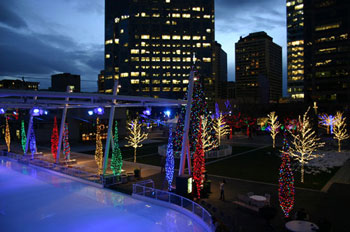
point(249, 121)
point(221, 128)
point(305, 143)
point(54, 139)
point(23, 137)
point(286, 189)
point(66, 146)
point(327, 121)
point(274, 126)
point(8, 136)
point(169, 164)
point(136, 136)
point(32, 142)
point(198, 163)
point(99, 149)
point(199, 108)
point(117, 159)
point(208, 141)
point(339, 129)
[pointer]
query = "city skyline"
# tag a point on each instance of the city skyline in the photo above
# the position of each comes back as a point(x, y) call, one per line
point(71, 33)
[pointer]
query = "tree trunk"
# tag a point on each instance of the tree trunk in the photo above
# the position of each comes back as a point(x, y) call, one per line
point(273, 142)
point(339, 145)
point(134, 154)
point(302, 172)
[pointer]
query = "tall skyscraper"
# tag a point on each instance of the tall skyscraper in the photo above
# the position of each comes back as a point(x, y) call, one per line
point(258, 69)
point(150, 44)
point(219, 70)
point(319, 50)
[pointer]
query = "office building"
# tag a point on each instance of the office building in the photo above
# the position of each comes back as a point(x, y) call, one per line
point(219, 70)
point(150, 46)
point(318, 50)
point(18, 84)
point(258, 69)
point(59, 82)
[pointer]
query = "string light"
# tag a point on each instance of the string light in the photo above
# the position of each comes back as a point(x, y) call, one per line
point(8, 136)
point(305, 143)
point(169, 164)
point(286, 189)
point(54, 139)
point(117, 159)
point(274, 126)
point(32, 142)
point(340, 132)
point(221, 128)
point(66, 146)
point(23, 137)
point(328, 121)
point(99, 151)
point(198, 162)
point(136, 136)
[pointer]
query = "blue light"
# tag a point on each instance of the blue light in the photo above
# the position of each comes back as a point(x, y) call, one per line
point(46, 112)
point(37, 112)
point(14, 112)
point(2, 111)
point(90, 112)
point(99, 110)
point(167, 113)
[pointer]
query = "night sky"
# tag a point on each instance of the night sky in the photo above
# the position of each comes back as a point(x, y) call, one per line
point(41, 37)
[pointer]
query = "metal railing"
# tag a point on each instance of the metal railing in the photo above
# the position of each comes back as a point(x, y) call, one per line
point(53, 166)
point(157, 194)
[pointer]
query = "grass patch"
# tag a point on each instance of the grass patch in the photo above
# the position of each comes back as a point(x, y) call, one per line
point(261, 166)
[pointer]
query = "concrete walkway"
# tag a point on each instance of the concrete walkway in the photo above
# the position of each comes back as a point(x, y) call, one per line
point(342, 176)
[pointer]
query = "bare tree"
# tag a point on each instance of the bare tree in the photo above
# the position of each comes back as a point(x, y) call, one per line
point(274, 125)
point(304, 143)
point(136, 136)
point(208, 141)
point(339, 129)
point(221, 128)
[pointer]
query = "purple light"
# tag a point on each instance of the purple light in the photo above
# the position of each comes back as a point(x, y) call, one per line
point(90, 112)
point(99, 110)
point(37, 112)
point(167, 113)
point(2, 110)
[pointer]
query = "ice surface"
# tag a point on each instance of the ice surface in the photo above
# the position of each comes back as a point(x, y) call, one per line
point(36, 200)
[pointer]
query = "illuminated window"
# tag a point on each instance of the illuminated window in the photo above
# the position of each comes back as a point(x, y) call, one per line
point(327, 27)
point(177, 89)
point(109, 41)
point(134, 81)
point(144, 36)
point(167, 1)
point(185, 81)
point(116, 41)
point(166, 81)
point(108, 56)
point(135, 59)
point(155, 15)
point(145, 59)
point(176, 37)
point(196, 37)
point(206, 16)
point(186, 15)
point(121, 31)
point(124, 74)
point(155, 81)
point(134, 74)
point(166, 89)
point(196, 8)
point(176, 82)
point(134, 51)
point(176, 15)
point(186, 37)
point(205, 45)
point(206, 59)
point(165, 36)
point(146, 89)
point(156, 89)
point(298, 7)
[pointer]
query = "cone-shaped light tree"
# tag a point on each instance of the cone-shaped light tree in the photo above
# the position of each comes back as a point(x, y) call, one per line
point(339, 130)
point(99, 149)
point(66, 146)
point(274, 126)
point(305, 143)
point(32, 142)
point(198, 163)
point(221, 128)
point(169, 164)
point(136, 136)
point(23, 137)
point(286, 189)
point(117, 159)
point(8, 136)
point(54, 139)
